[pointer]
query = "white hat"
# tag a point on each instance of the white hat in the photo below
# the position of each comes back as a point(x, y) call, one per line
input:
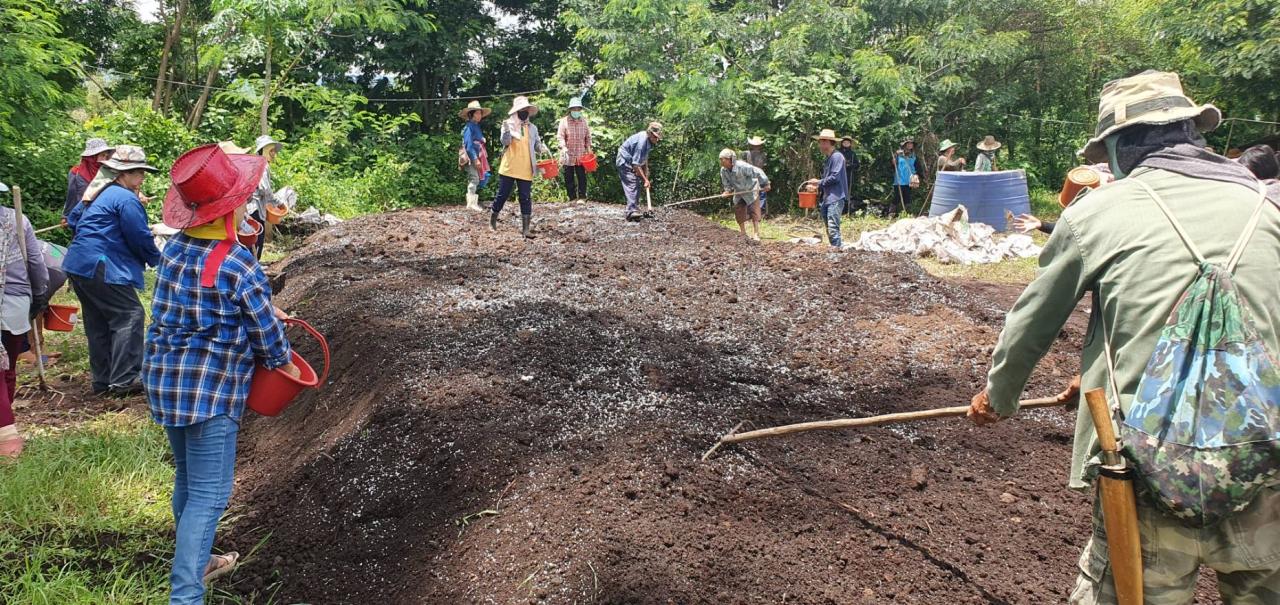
point(4, 188)
point(94, 147)
point(265, 140)
point(523, 103)
point(728, 154)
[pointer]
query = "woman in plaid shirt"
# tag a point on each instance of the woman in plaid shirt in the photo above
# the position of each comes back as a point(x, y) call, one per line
point(212, 321)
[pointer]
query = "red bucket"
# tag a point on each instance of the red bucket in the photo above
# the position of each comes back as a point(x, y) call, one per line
point(588, 162)
point(250, 239)
point(808, 199)
point(550, 168)
point(271, 391)
point(60, 318)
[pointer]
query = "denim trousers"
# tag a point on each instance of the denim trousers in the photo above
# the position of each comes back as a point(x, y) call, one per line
point(505, 185)
point(831, 214)
point(204, 457)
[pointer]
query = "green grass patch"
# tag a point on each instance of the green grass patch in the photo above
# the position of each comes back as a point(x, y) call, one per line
point(84, 515)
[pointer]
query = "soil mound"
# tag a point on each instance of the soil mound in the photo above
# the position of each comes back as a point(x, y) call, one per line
point(515, 421)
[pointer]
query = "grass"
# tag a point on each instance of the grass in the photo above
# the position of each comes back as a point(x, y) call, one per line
point(84, 515)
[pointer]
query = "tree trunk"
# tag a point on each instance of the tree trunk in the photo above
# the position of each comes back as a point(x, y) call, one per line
point(197, 112)
point(264, 126)
point(158, 100)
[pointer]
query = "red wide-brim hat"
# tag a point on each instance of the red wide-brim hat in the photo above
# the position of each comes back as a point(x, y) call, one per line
point(208, 183)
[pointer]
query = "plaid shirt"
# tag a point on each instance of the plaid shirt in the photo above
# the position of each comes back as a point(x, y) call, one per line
point(203, 342)
point(575, 139)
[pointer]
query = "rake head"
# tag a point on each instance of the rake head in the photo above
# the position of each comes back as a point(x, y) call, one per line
point(40, 393)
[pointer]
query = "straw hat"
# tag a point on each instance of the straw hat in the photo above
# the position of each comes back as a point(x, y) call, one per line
point(129, 157)
point(474, 106)
point(263, 141)
point(945, 145)
point(208, 183)
point(1151, 97)
point(827, 134)
point(911, 140)
point(523, 103)
point(989, 143)
point(576, 102)
point(755, 141)
point(655, 129)
point(94, 147)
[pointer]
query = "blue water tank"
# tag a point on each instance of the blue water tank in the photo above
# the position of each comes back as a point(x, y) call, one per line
point(987, 195)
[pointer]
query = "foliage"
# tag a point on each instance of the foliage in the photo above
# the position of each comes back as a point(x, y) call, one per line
point(36, 65)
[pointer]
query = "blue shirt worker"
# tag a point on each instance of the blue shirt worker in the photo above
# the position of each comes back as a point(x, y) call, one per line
point(473, 146)
point(633, 165)
point(745, 183)
point(113, 244)
point(907, 175)
point(833, 187)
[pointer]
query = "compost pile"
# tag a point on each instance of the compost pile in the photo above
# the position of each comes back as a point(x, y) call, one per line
point(513, 421)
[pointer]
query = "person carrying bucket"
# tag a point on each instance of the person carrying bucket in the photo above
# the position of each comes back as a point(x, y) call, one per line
point(213, 321)
point(473, 152)
point(264, 196)
point(574, 136)
point(633, 165)
point(833, 187)
point(521, 148)
point(743, 182)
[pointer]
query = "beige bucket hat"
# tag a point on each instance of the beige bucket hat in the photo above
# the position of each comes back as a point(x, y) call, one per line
point(129, 157)
point(1151, 97)
point(827, 134)
point(523, 103)
point(989, 143)
point(755, 141)
point(475, 106)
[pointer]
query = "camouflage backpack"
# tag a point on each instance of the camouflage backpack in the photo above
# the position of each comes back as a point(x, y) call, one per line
point(1203, 429)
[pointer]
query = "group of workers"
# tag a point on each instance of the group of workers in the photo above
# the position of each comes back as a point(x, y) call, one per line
point(212, 322)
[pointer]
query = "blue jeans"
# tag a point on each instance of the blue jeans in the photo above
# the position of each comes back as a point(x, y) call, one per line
point(505, 184)
point(204, 455)
point(764, 197)
point(831, 214)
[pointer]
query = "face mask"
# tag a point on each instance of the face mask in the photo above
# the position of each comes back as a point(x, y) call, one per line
point(576, 114)
point(523, 114)
point(1112, 162)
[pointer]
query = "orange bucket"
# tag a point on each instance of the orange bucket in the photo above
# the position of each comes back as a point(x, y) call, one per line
point(275, 213)
point(588, 162)
point(60, 318)
point(550, 168)
point(1078, 178)
point(250, 239)
point(808, 199)
point(271, 391)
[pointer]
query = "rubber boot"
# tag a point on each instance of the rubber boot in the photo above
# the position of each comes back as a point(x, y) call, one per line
point(493, 221)
point(525, 227)
point(473, 201)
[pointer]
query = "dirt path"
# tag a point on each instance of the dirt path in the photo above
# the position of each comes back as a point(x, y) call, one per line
point(513, 421)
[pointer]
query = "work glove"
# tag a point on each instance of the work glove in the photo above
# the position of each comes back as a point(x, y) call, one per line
point(980, 411)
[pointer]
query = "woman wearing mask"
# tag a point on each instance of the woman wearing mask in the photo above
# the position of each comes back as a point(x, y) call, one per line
point(477, 165)
point(519, 158)
point(95, 152)
point(113, 245)
point(574, 136)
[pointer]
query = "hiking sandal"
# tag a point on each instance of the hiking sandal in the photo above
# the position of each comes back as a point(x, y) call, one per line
point(220, 565)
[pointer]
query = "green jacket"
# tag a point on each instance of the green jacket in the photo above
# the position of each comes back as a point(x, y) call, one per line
point(1116, 244)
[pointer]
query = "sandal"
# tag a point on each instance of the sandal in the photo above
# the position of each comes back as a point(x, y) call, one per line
point(220, 565)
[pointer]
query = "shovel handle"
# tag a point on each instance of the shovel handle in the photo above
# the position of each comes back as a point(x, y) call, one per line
point(845, 423)
point(1101, 413)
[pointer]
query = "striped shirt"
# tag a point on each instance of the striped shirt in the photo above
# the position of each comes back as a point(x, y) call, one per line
point(203, 342)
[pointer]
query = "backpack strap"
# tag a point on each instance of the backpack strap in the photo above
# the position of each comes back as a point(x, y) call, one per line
point(1243, 242)
point(1186, 241)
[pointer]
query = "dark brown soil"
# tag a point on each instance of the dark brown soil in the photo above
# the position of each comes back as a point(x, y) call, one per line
point(511, 421)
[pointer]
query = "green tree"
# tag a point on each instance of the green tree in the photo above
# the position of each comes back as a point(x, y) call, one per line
point(39, 71)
